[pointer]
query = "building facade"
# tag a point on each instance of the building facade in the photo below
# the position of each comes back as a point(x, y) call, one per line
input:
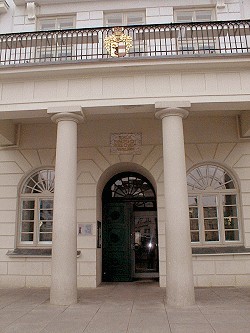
point(125, 135)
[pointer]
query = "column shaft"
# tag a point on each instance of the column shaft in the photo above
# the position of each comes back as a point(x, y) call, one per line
point(64, 243)
point(179, 269)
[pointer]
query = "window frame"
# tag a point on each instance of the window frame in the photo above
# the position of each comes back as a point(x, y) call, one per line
point(220, 211)
point(56, 19)
point(195, 45)
point(36, 197)
point(55, 51)
point(124, 17)
point(194, 10)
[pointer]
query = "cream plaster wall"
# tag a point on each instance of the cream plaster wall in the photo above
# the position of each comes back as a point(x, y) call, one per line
point(221, 270)
point(207, 139)
point(37, 148)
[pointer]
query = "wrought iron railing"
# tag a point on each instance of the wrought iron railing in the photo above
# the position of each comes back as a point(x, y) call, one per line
point(79, 45)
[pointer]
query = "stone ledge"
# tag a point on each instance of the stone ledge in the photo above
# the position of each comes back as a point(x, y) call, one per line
point(221, 250)
point(32, 253)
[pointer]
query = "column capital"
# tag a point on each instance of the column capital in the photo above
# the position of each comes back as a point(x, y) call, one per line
point(171, 112)
point(64, 116)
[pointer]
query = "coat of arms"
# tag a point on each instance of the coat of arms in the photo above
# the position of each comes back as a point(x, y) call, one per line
point(118, 44)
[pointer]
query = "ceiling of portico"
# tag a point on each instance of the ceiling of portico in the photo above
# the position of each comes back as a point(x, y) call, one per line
point(24, 116)
point(135, 114)
point(148, 111)
point(130, 111)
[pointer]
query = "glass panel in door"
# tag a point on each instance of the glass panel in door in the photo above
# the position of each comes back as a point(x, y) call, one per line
point(145, 244)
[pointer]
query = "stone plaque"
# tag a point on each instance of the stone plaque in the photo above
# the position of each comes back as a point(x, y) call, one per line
point(126, 143)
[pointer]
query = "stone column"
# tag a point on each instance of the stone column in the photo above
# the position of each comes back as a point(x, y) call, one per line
point(64, 243)
point(180, 286)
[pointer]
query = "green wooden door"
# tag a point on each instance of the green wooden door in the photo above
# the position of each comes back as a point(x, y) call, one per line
point(116, 243)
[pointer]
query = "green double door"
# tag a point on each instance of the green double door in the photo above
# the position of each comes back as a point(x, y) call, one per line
point(116, 243)
point(130, 248)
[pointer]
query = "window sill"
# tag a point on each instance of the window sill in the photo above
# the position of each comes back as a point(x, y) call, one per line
point(223, 250)
point(32, 253)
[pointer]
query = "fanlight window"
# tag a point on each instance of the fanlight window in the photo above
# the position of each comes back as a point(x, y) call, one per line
point(40, 182)
point(213, 206)
point(130, 186)
point(209, 177)
point(36, 209)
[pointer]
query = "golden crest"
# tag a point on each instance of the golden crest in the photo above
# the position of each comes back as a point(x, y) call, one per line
point(118, 44)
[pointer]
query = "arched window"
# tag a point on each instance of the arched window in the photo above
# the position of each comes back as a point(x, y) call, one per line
point(36, 209)
point(130, 186)
point(213, 206)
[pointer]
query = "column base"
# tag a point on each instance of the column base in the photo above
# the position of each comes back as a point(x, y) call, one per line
point(61, 298)
point(180, 302)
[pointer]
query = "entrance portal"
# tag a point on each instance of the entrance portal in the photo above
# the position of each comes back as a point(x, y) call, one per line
point(130, 242)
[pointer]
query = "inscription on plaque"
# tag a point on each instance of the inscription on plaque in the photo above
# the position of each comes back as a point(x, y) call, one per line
point(126, 143)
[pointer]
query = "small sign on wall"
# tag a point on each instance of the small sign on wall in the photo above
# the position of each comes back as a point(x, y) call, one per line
point(125, 143)
point(85, 229)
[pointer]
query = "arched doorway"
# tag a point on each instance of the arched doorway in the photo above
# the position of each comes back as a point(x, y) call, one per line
point(130, 242)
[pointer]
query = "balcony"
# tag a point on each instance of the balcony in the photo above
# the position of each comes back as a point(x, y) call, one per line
point(158, 41)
